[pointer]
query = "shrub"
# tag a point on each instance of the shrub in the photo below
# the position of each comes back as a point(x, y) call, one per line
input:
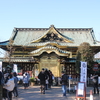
point(32, 79)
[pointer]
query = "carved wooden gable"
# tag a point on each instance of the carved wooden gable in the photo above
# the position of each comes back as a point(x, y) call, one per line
point(53, 35)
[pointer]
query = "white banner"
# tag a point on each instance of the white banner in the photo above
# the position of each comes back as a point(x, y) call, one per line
point(15, 68)
point(36, 72)
point(1, 66)
point(83, 74)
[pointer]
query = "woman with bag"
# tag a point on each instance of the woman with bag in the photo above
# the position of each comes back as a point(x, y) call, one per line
point(95, 83)
point(8, 87)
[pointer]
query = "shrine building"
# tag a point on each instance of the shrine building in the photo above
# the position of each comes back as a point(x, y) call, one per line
point(53, 48)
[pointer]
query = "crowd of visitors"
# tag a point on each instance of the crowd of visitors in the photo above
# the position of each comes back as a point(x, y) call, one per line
point(46, 79)
point(9, 83)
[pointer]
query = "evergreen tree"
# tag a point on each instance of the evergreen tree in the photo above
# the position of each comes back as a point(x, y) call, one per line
point(84, 53)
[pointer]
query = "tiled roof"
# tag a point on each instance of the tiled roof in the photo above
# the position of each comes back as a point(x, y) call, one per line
point(25, 36)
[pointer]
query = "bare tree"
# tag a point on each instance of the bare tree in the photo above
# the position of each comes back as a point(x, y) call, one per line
point(10, 50)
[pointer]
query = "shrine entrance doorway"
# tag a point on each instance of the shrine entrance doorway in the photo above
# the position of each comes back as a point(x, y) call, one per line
point(51, 63)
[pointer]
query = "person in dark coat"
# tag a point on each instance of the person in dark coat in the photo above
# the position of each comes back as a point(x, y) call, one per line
point(15, 91)
point(95, 83)
point(50, 79)
point(64, 82)
point(1, 75)
point(42, 76)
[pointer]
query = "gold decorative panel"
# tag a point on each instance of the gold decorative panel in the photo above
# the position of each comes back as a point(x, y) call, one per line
point(51, 64)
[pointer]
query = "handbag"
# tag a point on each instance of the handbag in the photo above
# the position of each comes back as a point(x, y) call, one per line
point(94, 80)
point(47, 82)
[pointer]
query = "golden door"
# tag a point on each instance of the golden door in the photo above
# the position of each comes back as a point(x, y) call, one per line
point(52, 64)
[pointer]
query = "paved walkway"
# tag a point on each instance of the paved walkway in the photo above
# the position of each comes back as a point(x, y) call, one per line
point(33, 93)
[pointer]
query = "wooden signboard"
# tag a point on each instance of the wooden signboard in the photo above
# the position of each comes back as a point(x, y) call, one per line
point(81, 91)
point(95, 67)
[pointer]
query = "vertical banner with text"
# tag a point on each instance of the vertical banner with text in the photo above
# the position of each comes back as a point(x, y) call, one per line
point(1, 66)
point(83, 73)
point(15, 68)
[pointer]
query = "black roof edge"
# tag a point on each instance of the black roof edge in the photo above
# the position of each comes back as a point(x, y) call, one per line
point(5, 41)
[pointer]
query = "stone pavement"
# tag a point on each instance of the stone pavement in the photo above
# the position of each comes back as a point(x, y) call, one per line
point(55, 93)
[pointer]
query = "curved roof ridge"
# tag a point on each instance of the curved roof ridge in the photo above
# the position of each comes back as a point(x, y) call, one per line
point(85, 28)
point(50, 48)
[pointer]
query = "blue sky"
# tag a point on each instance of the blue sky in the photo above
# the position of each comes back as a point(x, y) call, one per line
point(43, 13)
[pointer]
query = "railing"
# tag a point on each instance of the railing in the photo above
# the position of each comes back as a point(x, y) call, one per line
point(74, 81)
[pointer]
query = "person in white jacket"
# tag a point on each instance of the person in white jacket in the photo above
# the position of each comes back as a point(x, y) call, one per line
point(25, 81)
point(8, 87)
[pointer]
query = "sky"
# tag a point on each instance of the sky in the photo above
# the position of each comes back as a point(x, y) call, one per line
point(43, 13)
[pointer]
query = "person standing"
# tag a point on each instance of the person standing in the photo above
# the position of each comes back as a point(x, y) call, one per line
point(42, 76)
point(1, 77)
point(95, 83)
point(50, 79)
point(15, 91)
point(64, 82)
point(47, 80)
point(25, 81)
point(8, 87)
point(28, 76)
